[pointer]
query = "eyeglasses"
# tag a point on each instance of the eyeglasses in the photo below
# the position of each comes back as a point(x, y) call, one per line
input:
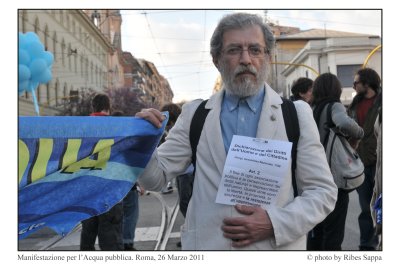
point(355, 83)
point(254, 51)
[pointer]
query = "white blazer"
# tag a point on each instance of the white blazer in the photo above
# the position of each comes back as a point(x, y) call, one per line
point(291, 218)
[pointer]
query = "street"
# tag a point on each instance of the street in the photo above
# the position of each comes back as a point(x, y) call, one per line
point(159, 225)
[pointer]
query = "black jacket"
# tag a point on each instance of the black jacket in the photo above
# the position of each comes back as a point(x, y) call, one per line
point(367, 147)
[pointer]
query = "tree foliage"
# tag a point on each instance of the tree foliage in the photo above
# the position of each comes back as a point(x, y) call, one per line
point(122, 99)
point(126, 101)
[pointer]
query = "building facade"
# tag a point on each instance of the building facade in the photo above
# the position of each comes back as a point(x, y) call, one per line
point(143, 78)
point(341, 56)
point(81, 57)
point(88, 56)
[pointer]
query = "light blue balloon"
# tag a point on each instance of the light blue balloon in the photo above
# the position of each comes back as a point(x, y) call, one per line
point(37, 67)
point(34, 63)
point(21, 40)
point(23, 86)
point(44, 77)
point(48, 57)
point(31, 37)
point(21, 36)
point(24, 73)
point(23, 57)
point(35, 49)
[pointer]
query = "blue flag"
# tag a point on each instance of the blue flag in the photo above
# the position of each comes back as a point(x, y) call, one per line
point(73, 168)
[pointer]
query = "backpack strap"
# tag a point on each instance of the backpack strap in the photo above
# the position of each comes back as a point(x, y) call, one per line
point(329, 123)
point(293, 133)
point(196, 126)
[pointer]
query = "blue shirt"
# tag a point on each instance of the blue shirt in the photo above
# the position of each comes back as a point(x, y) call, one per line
point(240, 116)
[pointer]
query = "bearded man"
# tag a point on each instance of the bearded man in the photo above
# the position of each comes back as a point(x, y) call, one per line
point(240, 48)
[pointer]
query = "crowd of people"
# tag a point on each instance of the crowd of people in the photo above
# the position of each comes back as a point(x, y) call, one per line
point(312, 219)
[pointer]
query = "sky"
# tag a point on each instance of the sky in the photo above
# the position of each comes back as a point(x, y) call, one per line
point(177, 41)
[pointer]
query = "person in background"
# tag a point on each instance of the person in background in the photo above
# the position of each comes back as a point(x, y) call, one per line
point(329, 234)
point(131, 216)
point(107, 226)
point(376, 201)
point(302, 90)
point(248, 106)
point(130, 210)
point(364, 110)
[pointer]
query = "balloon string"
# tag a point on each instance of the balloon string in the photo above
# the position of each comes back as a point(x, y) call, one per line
point(35, 103)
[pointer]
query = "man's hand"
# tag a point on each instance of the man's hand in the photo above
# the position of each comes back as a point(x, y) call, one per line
point(243, 231)
point(151, 115)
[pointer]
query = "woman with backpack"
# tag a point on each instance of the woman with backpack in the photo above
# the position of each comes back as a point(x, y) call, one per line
point(329, 234)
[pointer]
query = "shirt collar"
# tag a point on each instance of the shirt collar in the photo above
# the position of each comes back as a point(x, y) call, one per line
point(253, 102)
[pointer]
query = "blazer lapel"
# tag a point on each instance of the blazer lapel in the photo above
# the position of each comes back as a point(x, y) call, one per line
point(270, 114)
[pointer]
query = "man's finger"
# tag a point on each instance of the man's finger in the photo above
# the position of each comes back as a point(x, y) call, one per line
point(233, 221)
point(241, 243)
point(233, 229)
point(243, 209)
point(152, 115)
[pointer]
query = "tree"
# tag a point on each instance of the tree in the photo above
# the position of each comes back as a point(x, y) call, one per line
point(122, 99)
point(126, 101)
point(80, 106)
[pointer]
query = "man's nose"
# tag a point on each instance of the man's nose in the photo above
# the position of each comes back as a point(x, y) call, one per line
point(245, 58)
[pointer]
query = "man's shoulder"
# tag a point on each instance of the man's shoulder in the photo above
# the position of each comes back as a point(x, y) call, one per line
point(192, 105)
point(301, 105)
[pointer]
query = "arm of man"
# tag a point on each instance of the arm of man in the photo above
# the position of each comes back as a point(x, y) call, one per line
point(173, 156)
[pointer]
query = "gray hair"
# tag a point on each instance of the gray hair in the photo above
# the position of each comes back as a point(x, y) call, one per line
point(238, 21)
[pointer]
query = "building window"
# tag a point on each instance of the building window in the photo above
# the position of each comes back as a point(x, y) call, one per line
point(68, 23)
point(56, 91)
point(23, 20)
point(69, 56)
point(48, 97)
point(345, 74)
point(39, 94)
point(61, 17)
point(63, 52)
point(36, 26)
point(91, 72)
point(65, 90)
point(46, 38)
point(76, 63)
point(73, 28)
point(81, 66)
point(87, 69)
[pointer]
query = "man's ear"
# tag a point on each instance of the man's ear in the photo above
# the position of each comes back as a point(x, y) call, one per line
point(215, 61)
point(269, 58)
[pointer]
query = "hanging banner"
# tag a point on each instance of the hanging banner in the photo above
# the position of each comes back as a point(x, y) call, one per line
point(73, 168)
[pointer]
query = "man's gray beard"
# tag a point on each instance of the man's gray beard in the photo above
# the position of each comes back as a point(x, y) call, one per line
point(246, 87)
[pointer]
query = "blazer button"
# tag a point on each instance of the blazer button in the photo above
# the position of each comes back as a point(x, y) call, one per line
point(273, 118)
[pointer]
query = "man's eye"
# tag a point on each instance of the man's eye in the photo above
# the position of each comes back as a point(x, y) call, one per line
point(255, 50)
point(234, 50)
